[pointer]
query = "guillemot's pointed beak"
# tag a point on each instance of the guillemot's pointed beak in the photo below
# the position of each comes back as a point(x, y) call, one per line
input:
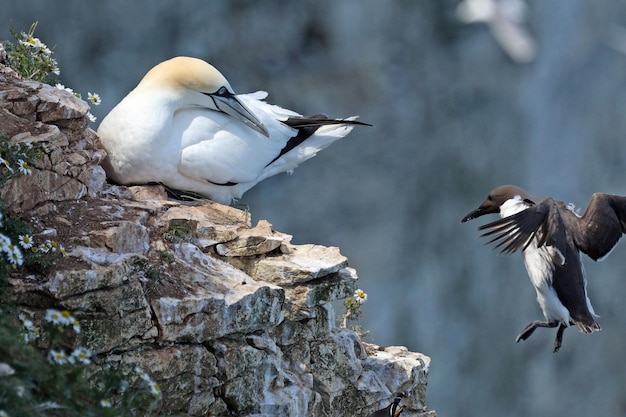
point(480, 211)
point(487, 207)
point(228, 103)
point(471, 215)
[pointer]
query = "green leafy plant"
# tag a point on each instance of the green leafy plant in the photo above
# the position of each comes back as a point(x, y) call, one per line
point(32, 60)
point(55, 380)
point(178, 233)
point(352, 312)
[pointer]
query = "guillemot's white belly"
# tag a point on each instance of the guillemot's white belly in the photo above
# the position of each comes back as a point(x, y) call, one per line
point(540, 267)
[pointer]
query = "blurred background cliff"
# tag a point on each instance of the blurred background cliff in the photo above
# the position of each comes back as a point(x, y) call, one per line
point(464, 97)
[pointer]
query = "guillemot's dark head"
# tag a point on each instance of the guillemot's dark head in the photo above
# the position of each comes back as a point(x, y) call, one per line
point(392, 410)
point(495, 199)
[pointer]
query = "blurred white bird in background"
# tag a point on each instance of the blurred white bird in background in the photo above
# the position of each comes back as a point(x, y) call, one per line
point(505, 19)
point(184, 127)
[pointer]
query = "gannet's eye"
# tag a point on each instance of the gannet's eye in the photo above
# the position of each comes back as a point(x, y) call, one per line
point(222, 91)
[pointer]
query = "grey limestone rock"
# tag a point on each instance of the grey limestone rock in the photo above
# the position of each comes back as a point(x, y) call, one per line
point(230, 319)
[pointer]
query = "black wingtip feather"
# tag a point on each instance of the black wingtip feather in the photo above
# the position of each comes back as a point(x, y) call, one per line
point(504, 233)
point(320, 120)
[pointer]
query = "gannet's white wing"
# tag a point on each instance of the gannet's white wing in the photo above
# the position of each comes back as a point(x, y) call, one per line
point(219, 149)
point(322, 138)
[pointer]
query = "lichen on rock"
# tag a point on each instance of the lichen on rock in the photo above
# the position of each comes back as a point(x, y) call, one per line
point(229, 318)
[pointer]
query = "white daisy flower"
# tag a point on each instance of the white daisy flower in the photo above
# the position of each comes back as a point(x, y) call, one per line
point(155, 389)
point(142, 374)
point(64, 88)
point(26, 241)
point(55, 67)
point(81, 355)
point(360, 296)
point(57, 356)
point(94, 98)
point(6, 164)
point(15, 256)
point(67, 319)
point(4, 243)
point(32, 42)
point(76, 325)
point(55, 317)
point(24, 167)
point(28, 325)
point(105, 403)
point(91, 117)
point(32, 332)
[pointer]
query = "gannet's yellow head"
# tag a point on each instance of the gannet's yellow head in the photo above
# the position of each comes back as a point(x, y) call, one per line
point(186, 72)
point(195, 75)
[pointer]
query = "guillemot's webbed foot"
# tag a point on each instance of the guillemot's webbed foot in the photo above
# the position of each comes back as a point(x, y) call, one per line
point(528, 330)
point(559, 337)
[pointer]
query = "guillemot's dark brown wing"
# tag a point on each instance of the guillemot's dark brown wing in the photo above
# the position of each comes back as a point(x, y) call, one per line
point(597, 232)
point(542, 220)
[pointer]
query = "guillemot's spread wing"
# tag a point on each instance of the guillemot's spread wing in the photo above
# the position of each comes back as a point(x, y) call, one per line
point(597, 232)
point(515, 232)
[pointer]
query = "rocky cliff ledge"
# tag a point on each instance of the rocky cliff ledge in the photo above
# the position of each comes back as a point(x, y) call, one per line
point(229, 319)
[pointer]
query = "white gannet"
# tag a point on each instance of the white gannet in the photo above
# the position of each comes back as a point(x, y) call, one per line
point(184, 127)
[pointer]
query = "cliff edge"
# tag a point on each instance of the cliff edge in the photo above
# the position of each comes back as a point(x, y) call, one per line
point(230, 318)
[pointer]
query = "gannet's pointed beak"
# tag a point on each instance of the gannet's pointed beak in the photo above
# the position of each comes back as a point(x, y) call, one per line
point(227, 102)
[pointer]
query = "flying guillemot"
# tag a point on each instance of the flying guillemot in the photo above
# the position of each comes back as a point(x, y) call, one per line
point(552, 237)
